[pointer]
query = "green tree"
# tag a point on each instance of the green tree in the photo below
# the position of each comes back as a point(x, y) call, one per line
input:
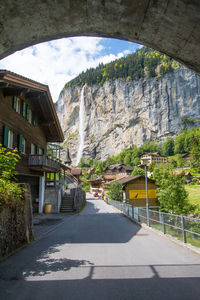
point(115, 191)
point(195, 153)
point(171, 193)
point(138, 171)
point(179, 144)
point(168, 147)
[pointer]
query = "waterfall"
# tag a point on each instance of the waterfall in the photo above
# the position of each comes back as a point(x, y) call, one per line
point(81, 127)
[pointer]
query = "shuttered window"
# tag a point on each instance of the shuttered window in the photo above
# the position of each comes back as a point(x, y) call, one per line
point(15, 103)
point(10, 139)
point(5, 135)
point(23, 108)
point(34, 118)
point(32, 149)
point(21, 144)
point(37, 149)
point(18, 105)
point(27, 112)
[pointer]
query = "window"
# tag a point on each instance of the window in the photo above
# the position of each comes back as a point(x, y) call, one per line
point(40, 151)
point(32, 149)
point(22, 144)
point(16, 104)
point(10, 139)
point(27, 113)
point(23, 108)
point(34, 118)
point(7, 137)
point(30, 116)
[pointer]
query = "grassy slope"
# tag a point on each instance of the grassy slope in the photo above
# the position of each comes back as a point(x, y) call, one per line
point(194, 194)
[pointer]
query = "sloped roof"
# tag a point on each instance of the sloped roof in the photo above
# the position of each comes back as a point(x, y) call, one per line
point(119, 166)
point(117, 176)
point(76, 171)
point(42, 101)
point(153, 153)
point(125, 180)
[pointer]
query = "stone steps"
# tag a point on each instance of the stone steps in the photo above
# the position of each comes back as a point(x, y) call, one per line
point(67, 204)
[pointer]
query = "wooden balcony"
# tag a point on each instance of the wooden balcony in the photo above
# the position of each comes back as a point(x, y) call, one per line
point(43, 163)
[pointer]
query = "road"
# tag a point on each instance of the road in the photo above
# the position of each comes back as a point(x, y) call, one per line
point(100, 254)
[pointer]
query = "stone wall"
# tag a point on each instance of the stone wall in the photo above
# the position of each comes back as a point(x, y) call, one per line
point(16, 227)
point(79, 199)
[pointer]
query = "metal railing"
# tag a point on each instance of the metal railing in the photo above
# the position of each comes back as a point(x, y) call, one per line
point(184, 228)
point(43, 161)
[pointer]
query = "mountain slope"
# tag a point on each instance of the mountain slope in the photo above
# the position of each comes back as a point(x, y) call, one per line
point(121, 113)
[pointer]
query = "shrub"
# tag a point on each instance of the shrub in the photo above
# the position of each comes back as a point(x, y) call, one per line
point(10, 192)
point(115, 191)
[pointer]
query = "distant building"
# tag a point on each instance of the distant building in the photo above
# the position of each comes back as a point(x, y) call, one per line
point(96, 186)
point(153, 157)
point(117, 171)
point(135, 191)
point(76, 172)
point(186, 157)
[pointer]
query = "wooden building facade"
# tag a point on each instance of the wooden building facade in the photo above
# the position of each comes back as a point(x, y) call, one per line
point(28, 121)
point(135, 191)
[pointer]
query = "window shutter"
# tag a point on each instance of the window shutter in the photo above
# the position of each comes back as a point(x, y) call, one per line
point(15, 103)
point(20, 142)
point(5, 135)
point(27, 112)
point(23, 108)
point(37, 149)
point(34, 118)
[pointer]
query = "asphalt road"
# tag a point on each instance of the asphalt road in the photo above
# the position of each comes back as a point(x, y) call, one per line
point(100, 254)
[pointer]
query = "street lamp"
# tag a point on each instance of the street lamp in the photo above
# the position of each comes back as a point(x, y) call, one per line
point(145, 162)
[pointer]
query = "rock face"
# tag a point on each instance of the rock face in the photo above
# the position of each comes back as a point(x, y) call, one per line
point(120, 114)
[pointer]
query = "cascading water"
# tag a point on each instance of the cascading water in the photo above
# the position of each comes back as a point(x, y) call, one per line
point(81, 127)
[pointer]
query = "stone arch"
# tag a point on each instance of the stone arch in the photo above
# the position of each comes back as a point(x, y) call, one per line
point(170, 26)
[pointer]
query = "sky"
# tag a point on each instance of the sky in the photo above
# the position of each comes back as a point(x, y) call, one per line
point(56, 62)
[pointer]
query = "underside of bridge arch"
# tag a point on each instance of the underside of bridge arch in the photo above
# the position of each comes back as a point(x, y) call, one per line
point(170, 26)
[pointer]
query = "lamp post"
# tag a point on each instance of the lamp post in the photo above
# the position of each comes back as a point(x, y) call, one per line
point(145, 162)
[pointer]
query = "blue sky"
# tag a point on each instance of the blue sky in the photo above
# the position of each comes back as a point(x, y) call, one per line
point(56, 62)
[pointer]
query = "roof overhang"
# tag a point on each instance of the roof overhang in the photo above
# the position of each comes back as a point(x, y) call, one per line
point(40, 96)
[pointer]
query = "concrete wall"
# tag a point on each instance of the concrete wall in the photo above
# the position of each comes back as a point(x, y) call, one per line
point(53, 196)
point(16, 227)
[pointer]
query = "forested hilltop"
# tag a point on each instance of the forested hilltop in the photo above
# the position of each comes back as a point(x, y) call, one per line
point(144, 63)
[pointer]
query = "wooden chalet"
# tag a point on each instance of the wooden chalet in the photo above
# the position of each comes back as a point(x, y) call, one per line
point(96, 186)
point(135, 191)
point(28, 122)
point(117, 171)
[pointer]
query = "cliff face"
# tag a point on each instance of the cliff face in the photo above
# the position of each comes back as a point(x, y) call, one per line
point(120, 114)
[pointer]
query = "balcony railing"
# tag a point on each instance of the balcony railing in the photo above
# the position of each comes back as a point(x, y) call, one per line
point(43, 163)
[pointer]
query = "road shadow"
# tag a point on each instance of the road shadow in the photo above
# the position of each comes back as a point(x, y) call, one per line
point(145, 282)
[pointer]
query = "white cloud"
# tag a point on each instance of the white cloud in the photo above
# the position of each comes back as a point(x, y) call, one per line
point(56, 62)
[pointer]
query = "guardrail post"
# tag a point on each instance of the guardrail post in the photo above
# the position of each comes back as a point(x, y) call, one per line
point(163, 222)
point(183, 229)
point(132, 212)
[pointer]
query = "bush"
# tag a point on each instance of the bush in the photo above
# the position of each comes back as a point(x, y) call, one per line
point(138, 171)
point(10, 192)
point(115, 191)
